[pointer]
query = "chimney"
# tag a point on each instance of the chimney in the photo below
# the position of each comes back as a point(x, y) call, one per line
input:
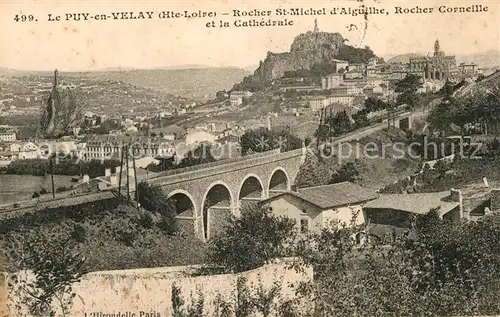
point(107, 172)
point(495, 200)
point(269, 123)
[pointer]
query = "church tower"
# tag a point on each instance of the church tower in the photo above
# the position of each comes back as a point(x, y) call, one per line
point(437, 47)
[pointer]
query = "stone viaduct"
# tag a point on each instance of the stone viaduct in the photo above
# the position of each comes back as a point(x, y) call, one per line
point(206, 195)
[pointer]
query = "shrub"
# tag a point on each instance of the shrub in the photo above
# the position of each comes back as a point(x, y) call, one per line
point(254, 239)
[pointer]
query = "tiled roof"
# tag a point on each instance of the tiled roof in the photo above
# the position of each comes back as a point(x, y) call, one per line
point(420, 203)
point(334, 195)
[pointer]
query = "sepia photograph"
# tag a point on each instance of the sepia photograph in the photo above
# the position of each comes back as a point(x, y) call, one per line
point(246, 158)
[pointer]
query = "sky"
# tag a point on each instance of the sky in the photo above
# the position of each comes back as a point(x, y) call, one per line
point(155, 43)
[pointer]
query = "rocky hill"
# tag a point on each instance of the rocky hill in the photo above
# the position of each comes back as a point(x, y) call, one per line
point(306, 50)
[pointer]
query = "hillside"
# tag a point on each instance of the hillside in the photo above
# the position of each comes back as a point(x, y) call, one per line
point(194, 83)
point(484, 59)
point(402, 58)
point(310, 50)
point(111, 236)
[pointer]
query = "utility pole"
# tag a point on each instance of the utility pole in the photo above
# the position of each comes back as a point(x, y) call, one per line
point(135, 181)
point(51, 161)
point(121, 170)
point(128, 176)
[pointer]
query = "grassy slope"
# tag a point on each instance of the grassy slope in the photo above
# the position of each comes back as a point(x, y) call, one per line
point(118, 239)
point(377, 168)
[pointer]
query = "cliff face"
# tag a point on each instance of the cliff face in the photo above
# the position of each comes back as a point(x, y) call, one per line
point(306, 50)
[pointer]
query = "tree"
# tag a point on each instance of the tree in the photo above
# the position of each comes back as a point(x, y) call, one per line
point(347, 173)
point(408, 88)
point(261, 140)
point(202, 154)
point(256, 238)
point(152, 198)
point(427, 271)
point(54, 265)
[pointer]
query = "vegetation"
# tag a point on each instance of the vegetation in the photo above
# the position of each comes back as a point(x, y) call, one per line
point(254, 239)
point(475, 113)
point(64, 166)
point(437, 269)
point(109, 235)
point(55, 267)
point(408, 90)
point(348, 172)
point(261, 140)
point(355, 55)
point(153, 198)
point(200, 155)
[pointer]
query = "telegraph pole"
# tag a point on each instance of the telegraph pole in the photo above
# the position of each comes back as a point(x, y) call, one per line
point(51, 161)
point(128, 176)
point(121, 171)
point(135, 181)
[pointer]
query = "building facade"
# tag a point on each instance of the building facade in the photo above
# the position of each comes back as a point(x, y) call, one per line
point(439, 66)
point(8, 136)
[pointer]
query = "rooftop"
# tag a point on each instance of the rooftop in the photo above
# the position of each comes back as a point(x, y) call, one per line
point(333, 195)
point(420, 203)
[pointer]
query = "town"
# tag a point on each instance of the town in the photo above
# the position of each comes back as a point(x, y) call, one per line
point(378, 177)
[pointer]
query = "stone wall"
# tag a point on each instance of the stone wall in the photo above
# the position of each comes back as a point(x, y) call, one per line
point(148, 292)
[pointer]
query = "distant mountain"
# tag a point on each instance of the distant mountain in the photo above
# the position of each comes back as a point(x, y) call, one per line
point(194, 83)
point(402, 58)
point(484, 59)
point(197, 82)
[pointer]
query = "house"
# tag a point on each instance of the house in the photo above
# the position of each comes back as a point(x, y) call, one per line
point(315, 208)
point(24, 150)
point(235, 100)
point(398, 210)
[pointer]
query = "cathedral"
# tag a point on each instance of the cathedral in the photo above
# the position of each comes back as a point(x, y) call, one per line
point(435, 67)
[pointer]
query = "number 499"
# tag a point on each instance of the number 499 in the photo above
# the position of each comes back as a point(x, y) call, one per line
point(24, 18)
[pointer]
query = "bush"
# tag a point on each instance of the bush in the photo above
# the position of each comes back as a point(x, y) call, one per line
point(436, 269)
point(254, 239)
point(61, 189)
point(152, 198)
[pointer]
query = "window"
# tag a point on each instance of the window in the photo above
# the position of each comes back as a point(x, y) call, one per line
point(304, 225)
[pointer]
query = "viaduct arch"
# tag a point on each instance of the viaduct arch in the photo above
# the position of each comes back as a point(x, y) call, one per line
point(207, 195)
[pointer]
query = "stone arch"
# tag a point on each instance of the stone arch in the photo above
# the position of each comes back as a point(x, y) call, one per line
point(251, 189)
point(216, 207)
point(277, 179)
point(186, 209)
point(186, 194)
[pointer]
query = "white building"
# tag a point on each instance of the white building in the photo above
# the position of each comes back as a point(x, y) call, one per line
point(199, 136)
point(8, 136)
point(316, 208)
point(235, 101)
point(24, 150)
point(332, 81)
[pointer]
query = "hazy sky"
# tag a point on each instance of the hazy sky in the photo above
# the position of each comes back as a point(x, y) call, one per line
point(83, 45)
